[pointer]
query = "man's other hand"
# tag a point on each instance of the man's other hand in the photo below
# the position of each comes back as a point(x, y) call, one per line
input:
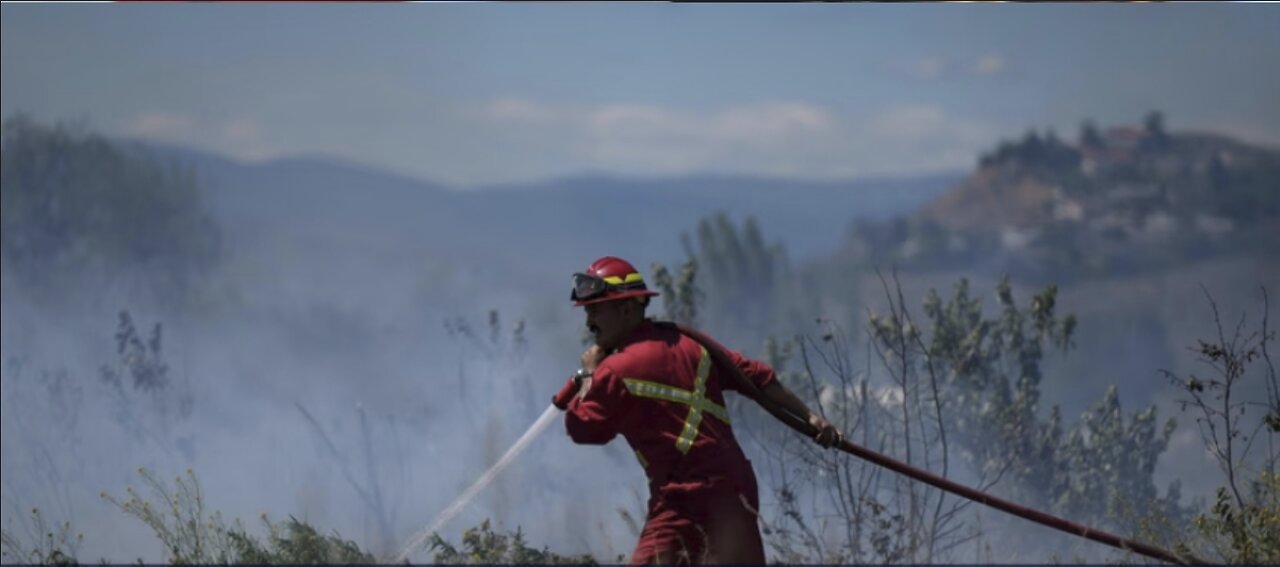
point(828, 436)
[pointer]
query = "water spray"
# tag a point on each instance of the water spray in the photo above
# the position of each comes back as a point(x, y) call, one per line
point(470, 493)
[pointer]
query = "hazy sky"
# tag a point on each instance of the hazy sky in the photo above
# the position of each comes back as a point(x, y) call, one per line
point(487, 92)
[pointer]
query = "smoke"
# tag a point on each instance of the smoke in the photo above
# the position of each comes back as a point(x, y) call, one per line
point(301, 322)
point(349, 375)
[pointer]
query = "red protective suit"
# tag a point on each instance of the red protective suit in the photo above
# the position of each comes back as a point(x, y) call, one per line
point(663, 394)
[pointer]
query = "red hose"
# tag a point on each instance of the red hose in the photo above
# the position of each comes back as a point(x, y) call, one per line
point(802, 425)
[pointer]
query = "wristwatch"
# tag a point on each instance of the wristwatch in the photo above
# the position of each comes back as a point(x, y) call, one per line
point(580, 375)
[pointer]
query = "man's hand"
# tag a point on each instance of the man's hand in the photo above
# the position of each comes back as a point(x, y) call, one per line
point(583, 385)
point(566, 394)
point(828, 436)
point(590, 360)
point(592, 357)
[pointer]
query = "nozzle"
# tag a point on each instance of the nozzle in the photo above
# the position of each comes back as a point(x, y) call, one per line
point(561, 399)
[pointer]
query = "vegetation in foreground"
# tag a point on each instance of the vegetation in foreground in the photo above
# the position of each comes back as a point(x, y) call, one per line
point(1099, 470)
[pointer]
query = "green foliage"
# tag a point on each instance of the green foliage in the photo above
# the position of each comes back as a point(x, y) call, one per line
point(483, 546)
point(52, 545)
point(78, 206)
point(1243, 524)
point(178, 519)
point(989, 371)
point(147, 402)
point(1248, 533)
point(1090, 139)
point(1153, 124)
point(497, 344)
point(193, 537)
point(744, 287)
point(297, 543)
point(1106, 465)
point(1034, 152)
point(680, 296)
point(993, 375)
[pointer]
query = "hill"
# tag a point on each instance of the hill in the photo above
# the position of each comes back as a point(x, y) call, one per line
point(560, 220)
point(1125, 200)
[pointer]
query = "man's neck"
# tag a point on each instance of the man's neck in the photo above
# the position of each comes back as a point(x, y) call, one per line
point(632, 328)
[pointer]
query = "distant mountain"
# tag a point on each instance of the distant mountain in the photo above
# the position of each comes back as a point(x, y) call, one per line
point(310, 188)
point(565, 220)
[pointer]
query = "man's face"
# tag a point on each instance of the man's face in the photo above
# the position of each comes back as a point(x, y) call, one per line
point(607, 321)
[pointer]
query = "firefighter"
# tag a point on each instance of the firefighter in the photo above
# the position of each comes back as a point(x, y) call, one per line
point(660, 390)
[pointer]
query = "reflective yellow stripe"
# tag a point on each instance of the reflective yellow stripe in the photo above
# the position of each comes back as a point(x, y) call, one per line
point(647, 389)
point(631, 278)
point(696, 400)
point(691, 423)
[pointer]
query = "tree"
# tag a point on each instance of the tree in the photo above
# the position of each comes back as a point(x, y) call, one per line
point(747, 285)
point(1089, 136)
point(1153, 123)
point(680, 295)
point(1157, 137)
point(992, 383)
point(77, 207)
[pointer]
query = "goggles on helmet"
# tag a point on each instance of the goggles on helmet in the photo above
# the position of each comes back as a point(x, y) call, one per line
point(586, 286)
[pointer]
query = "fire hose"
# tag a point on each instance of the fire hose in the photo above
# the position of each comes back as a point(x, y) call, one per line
point(802, 426)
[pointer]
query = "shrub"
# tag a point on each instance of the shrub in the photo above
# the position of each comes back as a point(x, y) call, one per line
point(53, 545)
point(193, 537)
point(481, 545)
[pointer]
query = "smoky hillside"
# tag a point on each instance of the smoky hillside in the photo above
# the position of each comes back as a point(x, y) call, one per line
point(351, 347)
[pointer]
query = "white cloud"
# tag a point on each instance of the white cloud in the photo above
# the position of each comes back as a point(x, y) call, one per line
point(645, 136)
point(160, 125)
point(240, 137)
point(739, 123)
point(633, 137)
point(771, 138)
point(247, 138)
point(242, 130)
point(635, 120)
point(990, 65)
point(764, 122)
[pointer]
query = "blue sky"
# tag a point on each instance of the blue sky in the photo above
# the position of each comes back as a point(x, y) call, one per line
point(488, 92)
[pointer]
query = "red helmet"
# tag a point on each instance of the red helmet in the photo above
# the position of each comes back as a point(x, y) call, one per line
point(607, 279)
